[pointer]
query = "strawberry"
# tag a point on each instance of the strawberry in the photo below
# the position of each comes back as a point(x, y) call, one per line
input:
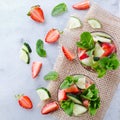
point(68, 54)
point(24, 101)
point(86, 103)
point(109, 48)
point(52, 36)
point(87, 85)
point(62, 95)
point(36, 67)
point(72, 89)
point(82, 54)
point(50, 107)
point(82, 5)
point(36, 13)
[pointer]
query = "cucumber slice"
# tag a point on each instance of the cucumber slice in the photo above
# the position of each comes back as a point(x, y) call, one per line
point(26, 47)
point(98, 50)
point(78, 110)
point(74, 22)
point(87, 61)
point(43, 93)
point(101, 39)
point(81, 82)
point(94, 23)
point(101, 34)
point(74, 98)
point(25, 56)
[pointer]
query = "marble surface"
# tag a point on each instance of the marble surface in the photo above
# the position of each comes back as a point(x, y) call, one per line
point(15, 76)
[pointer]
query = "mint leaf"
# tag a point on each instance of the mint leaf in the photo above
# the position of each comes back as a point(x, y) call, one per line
point(106, 63)
point(68, 81)
point(67, 106)
point(94, 105)
point(40, 48)
point(51, 76)
point(86, 41)
point(59, 9)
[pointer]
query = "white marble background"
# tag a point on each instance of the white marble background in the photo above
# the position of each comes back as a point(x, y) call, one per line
point(15, 76)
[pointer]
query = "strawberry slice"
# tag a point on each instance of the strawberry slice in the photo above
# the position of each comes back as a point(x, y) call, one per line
point(86, 103)
point(72, 89)
point(52, 36)
point(82, 54)
point(68, 54)
point(24, 101)
point(36, 13)
point(50, 107)
point(108, 48)
point(36, 67)
point(82, 5)
point(62, 95)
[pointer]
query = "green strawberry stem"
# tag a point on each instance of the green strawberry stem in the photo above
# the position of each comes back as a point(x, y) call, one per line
point(18, 96)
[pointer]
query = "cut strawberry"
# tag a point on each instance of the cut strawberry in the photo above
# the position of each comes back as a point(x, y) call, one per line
point(62, 95)
point(50, 107)
point(82, 54)
point(24, 101)
point(68, 54)
point(87, 85)
point(86, 103)
point(36, 67)
point(36, 13)
point(52, 36)
point(108, 48)
point(72, 89)
point(82, 5)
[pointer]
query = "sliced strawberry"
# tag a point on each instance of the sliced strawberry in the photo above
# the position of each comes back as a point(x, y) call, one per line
point(36, 67)
point(82, 5)
point(62, 95)
point(86, 103)
point(82, 54)
point(87, 85)
point(50, 107)
point(68, 54)
point(108, 48)
point(52, 36)
point(72, 89)
point(36, 13)
point(24, 101)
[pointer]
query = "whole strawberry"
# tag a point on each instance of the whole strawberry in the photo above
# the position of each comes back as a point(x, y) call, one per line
point(24, 101)
point(36, 13)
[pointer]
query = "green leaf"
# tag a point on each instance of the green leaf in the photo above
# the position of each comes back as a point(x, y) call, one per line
point(67, 106)
point(68, 81)
point(59, 9)
point(94, 105)
point(105, 64)
point(40, 48)
point(86, 41)
point(51, 76)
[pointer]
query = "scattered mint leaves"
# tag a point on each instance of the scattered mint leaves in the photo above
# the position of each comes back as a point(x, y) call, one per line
point(68, 81)
point(40, 48)
point(67, 106)
point(51, 76)
point(86, 41)
point(59, 9)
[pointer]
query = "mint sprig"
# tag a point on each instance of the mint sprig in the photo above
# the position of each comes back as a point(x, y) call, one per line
point(86, 41)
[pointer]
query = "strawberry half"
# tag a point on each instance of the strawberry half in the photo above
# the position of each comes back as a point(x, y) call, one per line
point(36, 13)
point(86, 103)
point(24, 101)
point(72, 89)
point(82, 54)
point(68, 54)
point(52, 36)
point(36, 67)
point(50, 107)
point(108, 48)
point(82, 5)
point(62, 95)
